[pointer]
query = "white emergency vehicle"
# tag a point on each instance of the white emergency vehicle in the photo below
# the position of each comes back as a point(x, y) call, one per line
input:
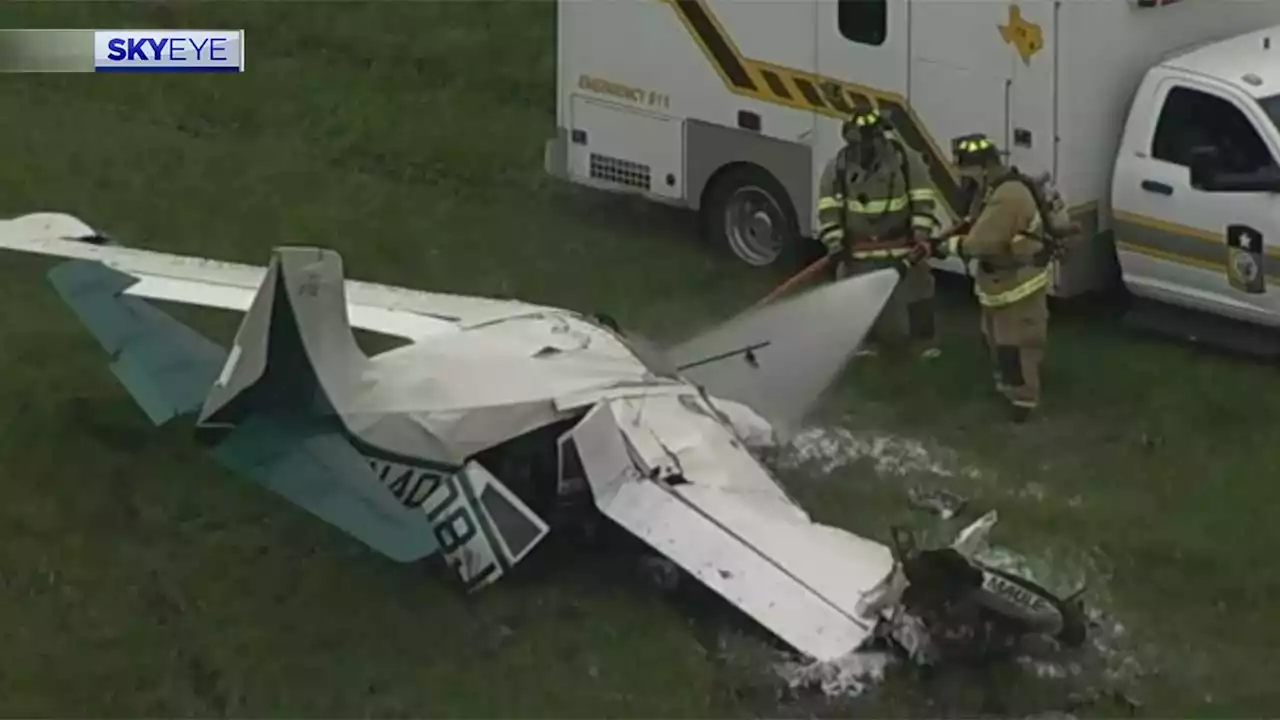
point(732, 107)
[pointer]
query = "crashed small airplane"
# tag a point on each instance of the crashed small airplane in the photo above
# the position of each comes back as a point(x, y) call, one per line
point(498, 421)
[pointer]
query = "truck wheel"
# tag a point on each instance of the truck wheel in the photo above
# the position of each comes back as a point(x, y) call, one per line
point(749, 214)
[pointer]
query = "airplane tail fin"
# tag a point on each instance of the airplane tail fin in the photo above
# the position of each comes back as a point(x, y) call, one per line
point(295, 352)
point(275, 411)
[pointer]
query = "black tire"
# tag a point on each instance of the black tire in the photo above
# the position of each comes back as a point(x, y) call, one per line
point(754, 184)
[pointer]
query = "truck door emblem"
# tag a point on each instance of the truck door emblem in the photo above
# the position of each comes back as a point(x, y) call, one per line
point(1245, 259)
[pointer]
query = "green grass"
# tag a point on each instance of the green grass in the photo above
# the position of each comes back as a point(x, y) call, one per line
point(139, 579)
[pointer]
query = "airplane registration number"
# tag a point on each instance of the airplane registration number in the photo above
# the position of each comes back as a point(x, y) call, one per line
point(457, 529)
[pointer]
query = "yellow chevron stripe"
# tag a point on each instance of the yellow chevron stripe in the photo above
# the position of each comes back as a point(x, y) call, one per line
point(804, 90)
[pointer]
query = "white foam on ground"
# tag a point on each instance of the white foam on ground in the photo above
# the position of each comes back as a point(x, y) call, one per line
point(848, 676)
point(1108, 660)
point(831, 448)
point(823, 451)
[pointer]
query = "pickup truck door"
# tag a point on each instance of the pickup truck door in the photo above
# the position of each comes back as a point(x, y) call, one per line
point(1171, 238)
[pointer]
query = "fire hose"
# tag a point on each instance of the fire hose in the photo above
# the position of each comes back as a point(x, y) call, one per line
point(818, 266)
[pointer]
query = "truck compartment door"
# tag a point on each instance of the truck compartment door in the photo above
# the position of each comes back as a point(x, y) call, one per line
point(954, 101)
point(1032, 37)
point(861, 43)
point(1029, 36)
point(961, 69)
point(617, 147)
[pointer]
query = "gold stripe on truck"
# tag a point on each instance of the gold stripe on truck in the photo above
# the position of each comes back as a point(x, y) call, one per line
point(804, 90)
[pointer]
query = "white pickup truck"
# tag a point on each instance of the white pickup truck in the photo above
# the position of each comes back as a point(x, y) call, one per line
point(731, 108)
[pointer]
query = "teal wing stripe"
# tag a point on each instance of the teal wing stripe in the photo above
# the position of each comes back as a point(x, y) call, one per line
point(166, 366)
point(314, 467)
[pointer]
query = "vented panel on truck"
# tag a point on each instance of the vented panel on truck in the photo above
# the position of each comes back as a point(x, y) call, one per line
point(619, 171)
point(627, 148)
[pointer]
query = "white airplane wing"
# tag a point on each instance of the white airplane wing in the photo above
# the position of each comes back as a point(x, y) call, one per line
point(737, 533)
point(399, 312)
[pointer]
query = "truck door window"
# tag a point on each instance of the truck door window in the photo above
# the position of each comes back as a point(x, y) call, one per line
point(1192, 118)
point(863, 21)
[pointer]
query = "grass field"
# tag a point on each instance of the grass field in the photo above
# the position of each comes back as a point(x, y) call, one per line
point(139, 579)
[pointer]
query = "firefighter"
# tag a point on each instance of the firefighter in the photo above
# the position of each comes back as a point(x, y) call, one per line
point(877, 210)
point(1008, 240)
